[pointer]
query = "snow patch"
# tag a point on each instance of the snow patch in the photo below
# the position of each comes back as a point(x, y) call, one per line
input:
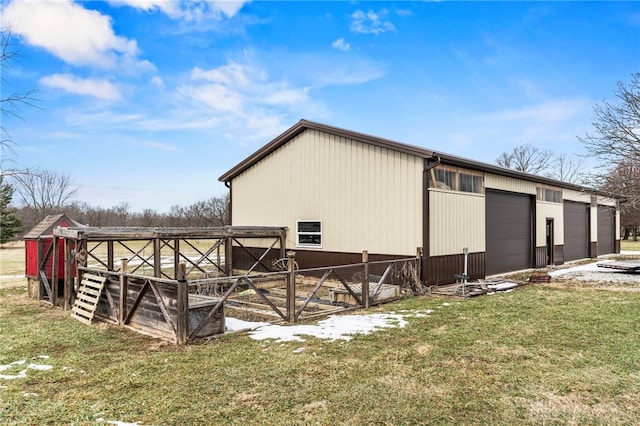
point(23, 373)
point(335, 327)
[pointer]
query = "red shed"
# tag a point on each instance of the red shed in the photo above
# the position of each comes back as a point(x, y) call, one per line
point(39, 260)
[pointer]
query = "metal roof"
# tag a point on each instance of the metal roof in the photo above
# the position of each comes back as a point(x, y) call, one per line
point(453, 160)
point(46, 226)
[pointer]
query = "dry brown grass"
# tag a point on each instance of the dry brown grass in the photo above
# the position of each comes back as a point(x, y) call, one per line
point(12, 266)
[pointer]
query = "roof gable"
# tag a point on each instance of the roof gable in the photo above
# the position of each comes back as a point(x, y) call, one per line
point(45, 227)
point(304, 125)
point(438, 157)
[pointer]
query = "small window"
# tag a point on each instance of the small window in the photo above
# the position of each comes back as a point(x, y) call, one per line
point(549, 195)
point(445, 179)
point(309, 233)
point(470, 183)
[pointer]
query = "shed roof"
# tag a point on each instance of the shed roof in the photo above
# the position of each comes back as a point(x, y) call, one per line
point(425, 153)
point(45, 227)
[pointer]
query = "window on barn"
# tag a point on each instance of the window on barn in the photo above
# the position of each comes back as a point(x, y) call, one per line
point(551, 195)
point(309, 233)
point(470, 183)
point(452, 178)
point(445, 179)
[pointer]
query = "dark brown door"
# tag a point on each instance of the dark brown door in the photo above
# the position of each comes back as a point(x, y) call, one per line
point(576, 231)
point(508, 232)
point(606, 230)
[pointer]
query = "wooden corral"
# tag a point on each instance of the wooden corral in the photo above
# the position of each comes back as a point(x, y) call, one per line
point(146, 272)
point(179, 283)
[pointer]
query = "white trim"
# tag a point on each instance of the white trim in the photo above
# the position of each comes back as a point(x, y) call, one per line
point(298, 233)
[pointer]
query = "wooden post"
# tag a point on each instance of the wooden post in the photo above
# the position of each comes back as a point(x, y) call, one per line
point(228, 256)
point(124, 289)
point(365, 279)
point(176, 258)
point(55, 264)
point(283, 243)
point(68, 279)
point(291, 286)
point(157, 258)
point(110, 265)
point(182, 305)
point(82, 247)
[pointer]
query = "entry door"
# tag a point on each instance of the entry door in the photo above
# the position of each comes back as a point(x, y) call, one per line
point(549, 241)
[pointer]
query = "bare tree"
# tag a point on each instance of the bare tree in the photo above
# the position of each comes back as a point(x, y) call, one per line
point(616, 136)
point(221, 214)
point(615, 141)
point(567, 169)
point(527, 159)
point(625, 179)
point(46, 191)
point(11, 103)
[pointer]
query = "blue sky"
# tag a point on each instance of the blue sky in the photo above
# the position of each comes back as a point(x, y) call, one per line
point(149, 101)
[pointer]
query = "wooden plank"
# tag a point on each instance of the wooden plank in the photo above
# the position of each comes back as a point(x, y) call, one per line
point(81, 319)
point(45, 282)
point(86, 303)
point(91, 291)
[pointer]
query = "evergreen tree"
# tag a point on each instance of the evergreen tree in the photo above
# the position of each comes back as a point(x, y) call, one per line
point(10, 224)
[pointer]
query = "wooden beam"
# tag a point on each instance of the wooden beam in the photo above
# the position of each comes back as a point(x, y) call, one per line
point(182, 320)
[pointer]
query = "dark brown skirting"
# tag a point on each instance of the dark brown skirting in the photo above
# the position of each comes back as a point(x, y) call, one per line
point(617, 246)
point(558, 255)
point(541, 257)
point(305, 258)
point(593, 249)
point(442, 269)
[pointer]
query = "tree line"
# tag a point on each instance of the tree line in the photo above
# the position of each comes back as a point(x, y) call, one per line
point(211, 212)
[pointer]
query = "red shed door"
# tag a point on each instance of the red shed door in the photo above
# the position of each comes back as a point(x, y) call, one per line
point(31, 258)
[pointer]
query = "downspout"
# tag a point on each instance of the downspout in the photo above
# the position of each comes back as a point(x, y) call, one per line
point(429, 163)
point(227, 183)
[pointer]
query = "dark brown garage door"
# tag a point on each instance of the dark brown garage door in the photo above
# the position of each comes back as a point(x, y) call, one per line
point(606, 230)
point(508, 232)
point(576, 230)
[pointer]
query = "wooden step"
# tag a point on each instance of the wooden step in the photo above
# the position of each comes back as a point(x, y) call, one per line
point(84, 307)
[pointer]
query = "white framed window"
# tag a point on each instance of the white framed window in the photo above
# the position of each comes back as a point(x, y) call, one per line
point(309, 233)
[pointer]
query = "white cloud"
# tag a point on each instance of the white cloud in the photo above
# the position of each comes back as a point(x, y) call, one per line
point(192, 10)
point(232, 74)
point(100, 89)
point(157, 81)
point(341, 44)
point(545, 112)
point(240, 89)
point(370, 22)
point(74, 34)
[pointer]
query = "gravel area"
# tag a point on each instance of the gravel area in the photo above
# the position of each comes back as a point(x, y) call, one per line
point(592, 272)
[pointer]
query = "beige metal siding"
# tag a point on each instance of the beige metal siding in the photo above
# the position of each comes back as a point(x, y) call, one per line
point(367, 197)
point(505, 183)
point(546, 211)
point(456, 221)
point(572, 195)
point(593, 214)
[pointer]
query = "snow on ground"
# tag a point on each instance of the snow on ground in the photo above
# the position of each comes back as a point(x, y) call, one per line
point(335, 327)
point(592, 272)
point(22, 373)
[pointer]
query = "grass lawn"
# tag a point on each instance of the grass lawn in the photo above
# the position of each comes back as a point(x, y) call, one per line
point(630, 245)
point(538, 355)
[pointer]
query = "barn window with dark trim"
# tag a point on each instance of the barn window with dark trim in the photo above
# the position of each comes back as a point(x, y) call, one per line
point(445, 179)
point(470, 183)
point(309, 233)
point(450, 178)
